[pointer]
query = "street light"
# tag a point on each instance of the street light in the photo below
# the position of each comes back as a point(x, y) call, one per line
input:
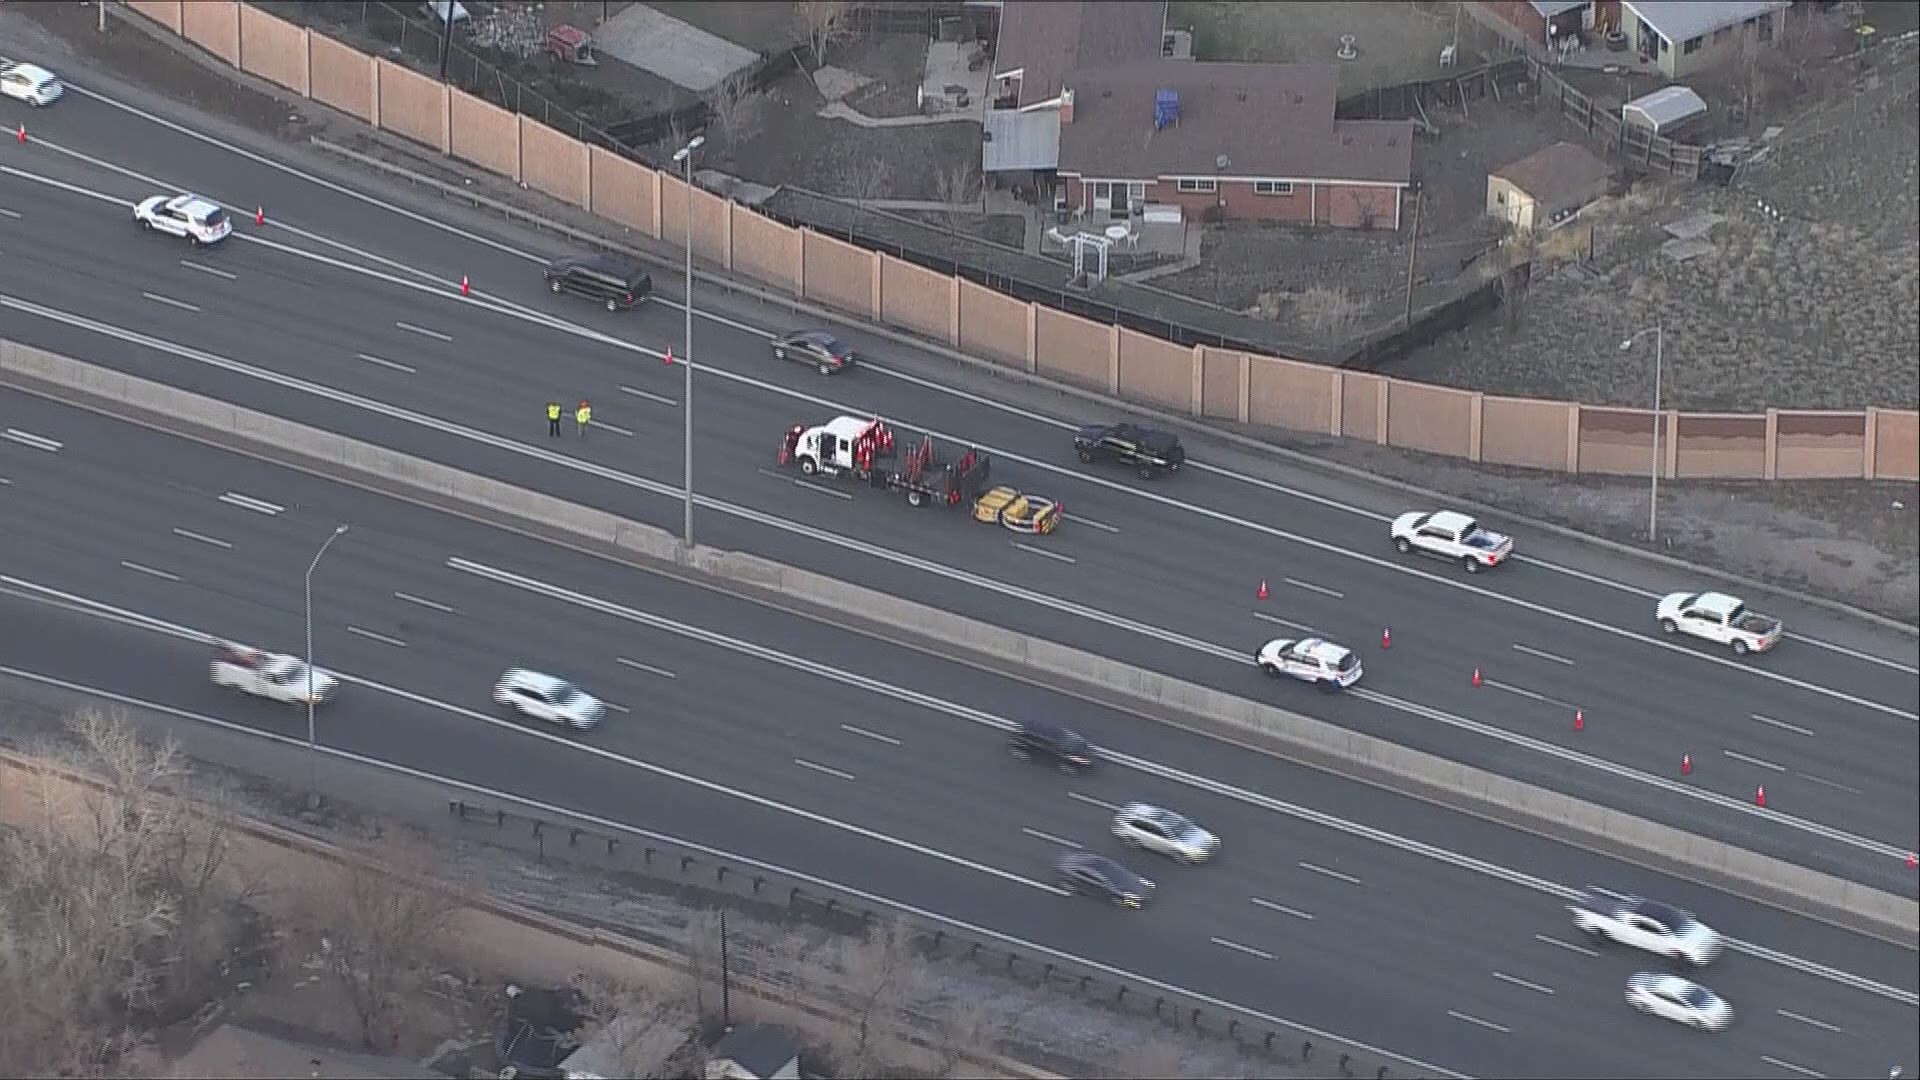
point(684, 158)
point(313, 749)
point(1653, 501)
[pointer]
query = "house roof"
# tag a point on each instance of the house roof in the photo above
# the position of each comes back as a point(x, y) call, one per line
point(1560, 173)
point(1684, 20)
point(1666, 106)
point(1020, 140)
point(1270, 121)
point(761, 1051)
point(1047, 40)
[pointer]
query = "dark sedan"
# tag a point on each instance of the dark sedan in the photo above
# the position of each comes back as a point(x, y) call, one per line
point(1099, 876)
point(825, 353)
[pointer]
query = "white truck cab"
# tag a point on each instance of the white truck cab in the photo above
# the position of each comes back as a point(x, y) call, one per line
point(844, 444)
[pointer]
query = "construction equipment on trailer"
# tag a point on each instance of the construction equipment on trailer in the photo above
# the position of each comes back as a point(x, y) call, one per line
point(863, 449)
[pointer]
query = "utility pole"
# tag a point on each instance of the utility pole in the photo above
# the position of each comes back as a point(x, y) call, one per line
point(726, 980)
point(1413, 252)
point(446, 35)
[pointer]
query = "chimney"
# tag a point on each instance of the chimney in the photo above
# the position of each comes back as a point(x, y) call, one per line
point(1066, 107)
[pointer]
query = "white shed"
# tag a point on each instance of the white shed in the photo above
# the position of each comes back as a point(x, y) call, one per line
point(1664, 110)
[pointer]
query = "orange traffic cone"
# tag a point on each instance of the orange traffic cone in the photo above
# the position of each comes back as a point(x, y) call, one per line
point(1579, 720)
point(23, 133)
point(259, 215)
point(669, 360)
point(1386, 638)
point(465, 289)
point(1263, 589)
point(1686, 764)
point(1476, 676)
point(1760, 795)
point(1913, 861)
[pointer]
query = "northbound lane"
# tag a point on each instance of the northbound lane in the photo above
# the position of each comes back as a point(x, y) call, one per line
point(1355, 926)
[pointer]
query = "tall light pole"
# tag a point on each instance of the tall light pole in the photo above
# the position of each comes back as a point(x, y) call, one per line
point(1653, 500)
point(684, 158)
point(313, 748)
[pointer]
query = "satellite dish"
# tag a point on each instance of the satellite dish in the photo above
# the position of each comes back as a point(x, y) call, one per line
point(1221, 162)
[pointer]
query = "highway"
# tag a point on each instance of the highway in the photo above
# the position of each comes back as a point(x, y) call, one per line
point(1830, 731)
point(1352, 910)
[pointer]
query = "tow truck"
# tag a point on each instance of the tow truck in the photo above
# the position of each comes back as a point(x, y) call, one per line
point(864, 450)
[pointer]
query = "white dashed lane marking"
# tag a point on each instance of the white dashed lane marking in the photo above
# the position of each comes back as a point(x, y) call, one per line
point(211, 541)
point(1281, 908)
point(423, 331)
point(171, 302)
point(1050, 838)
point(805, 764)
point(248, 502)
point(1311, 587)
point(865, 734)
point(394, 365)
point(648, 668)
point(1239, 948)
point(149, 571)
point(381, 638)
point(38, 442)
point(213, 270)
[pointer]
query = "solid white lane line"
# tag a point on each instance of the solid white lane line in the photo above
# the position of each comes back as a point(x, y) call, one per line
point(1042, 552)
point(1823, 781)
point(423, 331)
point(1471, 1019)
point(1311, 587)
point(1334, 874)
point(1791, 1067)
point(382, 638)
point(865, 734)
point(1288, 623)
point(6, 213)
point(148, 570)
point(385, 363)
point(1050, 838)
point(1281, 908)
point(248, 502)
point(1567, 945)
point(1543, 655)
point(1237, 947)
point(202, 538)
point(1090, 523)
point(1522, 983)
point(1821, 1024)
point(782, 658)
point(648, 668)
point(1737, 756)
point(425, 603)
point(1110, 808)
point(205, 269)
point(615, 428)
point(616, 707)
point(805, 764)
point(660, 399)
point(38, 442)
point(171, 302)
point(1783, 725)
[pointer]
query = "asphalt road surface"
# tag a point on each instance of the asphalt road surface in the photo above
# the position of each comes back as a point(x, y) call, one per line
point(1431, 934)
point(333, 315)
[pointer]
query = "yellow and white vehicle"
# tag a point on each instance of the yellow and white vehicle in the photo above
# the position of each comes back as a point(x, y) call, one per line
point(1018, 511)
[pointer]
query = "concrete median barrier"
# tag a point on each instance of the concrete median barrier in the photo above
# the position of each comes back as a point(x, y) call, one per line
point(1298, 737)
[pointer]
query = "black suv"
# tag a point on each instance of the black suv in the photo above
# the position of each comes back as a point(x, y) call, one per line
point(614, 280)
point(1051, 744)
point(1148, 451)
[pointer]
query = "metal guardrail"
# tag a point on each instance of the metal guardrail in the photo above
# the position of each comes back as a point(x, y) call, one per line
point(720, 881)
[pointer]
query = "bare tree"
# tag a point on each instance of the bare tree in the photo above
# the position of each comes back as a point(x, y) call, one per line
point(379, 931)
point(865, 180)
point(634, 1030)
point(825, 23)
point(879, 972)
point(113, 906)
point(956, 184)
point(1327, 310)
point(735, 107)
point(962, 1027)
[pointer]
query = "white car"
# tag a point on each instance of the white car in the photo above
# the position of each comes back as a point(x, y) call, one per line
point(1647, 925)
point(544, 697)
point(1163, 832)
point(1674, 998)
point(1719, 618)
point(29, 83)
point(1452, 536)
point(199, 220)
point(276, 676)
point(1329, 666)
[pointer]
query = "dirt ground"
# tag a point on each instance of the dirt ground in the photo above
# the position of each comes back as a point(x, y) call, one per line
point(1396, 41)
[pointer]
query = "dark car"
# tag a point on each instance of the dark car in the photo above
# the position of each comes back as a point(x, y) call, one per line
point(1145, 449)
point(827, 354)
point(1097, 875)
point(613, 280)
point(1051, 744)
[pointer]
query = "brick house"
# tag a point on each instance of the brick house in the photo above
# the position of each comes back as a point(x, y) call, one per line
point(1227, 141)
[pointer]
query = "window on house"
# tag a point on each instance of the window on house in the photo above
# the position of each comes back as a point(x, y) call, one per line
point(1722, 34)
point(1691, 46)
point(1765, 27)
point(1196, 187)
point(1272, 187)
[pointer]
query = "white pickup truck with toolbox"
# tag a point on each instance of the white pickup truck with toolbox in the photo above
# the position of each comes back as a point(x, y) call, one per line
point(276, 676)
point(1718, 618)
point(1450, 535)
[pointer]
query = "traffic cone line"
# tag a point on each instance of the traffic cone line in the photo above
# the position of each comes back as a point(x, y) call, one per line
point(1263, 589)
point(1760, 795)
point(1686, 764)
point(1476, 676)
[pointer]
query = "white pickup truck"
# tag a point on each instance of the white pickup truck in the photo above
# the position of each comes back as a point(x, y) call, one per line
point(1648, 925)
point(1453, 536)
point(276, 676)
point(1718, 618)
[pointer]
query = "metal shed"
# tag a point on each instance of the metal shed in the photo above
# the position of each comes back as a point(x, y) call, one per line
point(1664, 110)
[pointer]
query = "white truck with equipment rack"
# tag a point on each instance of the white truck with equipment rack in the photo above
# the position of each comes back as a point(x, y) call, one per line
point(1718, 618)
point(864, 449)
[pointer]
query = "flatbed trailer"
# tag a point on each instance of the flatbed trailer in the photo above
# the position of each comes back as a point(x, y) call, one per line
point(864, 450)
